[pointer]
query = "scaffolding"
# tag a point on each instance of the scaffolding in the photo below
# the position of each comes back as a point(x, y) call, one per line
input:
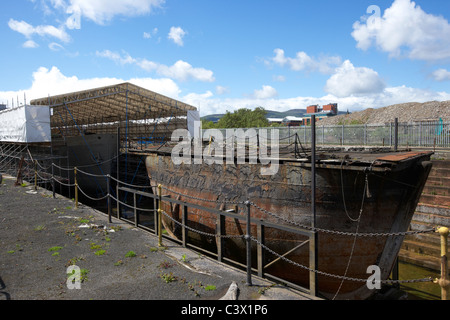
point(143, 116)
point(102, 130)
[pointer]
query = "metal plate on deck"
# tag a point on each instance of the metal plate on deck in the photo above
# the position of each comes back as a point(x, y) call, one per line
point(402, 156)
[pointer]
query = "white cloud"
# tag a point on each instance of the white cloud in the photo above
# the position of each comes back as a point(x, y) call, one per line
point(103, 11)
point(303, 62)
point(210, 104)
point(349, 80)
point(266, 92)
point(222, 90)
point(30, 44)
point(53, 82)
point(55, 46)
point(177, 34)
point(405, 30)
point(279, 78)
point(43, 30)
point(441, 75)
point(181, 70)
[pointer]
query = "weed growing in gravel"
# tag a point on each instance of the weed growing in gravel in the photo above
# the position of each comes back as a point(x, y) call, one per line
point(100, 252)
point(83, 274)
point(168, 277)
point(55, 250)
point(130, 254)
point(39, 227)
point(95, 246)
point(166, 264)
point(73, 261)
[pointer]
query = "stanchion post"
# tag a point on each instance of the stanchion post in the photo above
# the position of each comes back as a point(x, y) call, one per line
point(76, 187)
point(314, 241)
point(249, 246)
point(159, 216)
point(53, 181)
point(396, 134)
point(444, 281)
point(35, 174)
point(117, 201)
point(108, 199)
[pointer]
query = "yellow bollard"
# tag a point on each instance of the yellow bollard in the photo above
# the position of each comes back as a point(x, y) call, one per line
point(444, 281)
point(76, 188)
point(159, 217)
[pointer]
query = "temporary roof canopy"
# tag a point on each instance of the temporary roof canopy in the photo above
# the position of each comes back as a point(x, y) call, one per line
point(102, 109)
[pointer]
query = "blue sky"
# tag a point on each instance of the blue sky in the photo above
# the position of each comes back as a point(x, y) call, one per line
point(225, 55)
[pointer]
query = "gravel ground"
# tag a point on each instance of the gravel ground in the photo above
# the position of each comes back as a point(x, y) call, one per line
point(40, 237)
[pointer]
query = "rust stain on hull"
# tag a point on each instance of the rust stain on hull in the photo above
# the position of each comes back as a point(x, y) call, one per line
point(388, 207)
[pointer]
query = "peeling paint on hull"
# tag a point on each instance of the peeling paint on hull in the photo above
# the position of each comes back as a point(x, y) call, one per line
point(389, 204)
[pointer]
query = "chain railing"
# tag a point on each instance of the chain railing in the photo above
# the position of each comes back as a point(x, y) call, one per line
point(293, 227)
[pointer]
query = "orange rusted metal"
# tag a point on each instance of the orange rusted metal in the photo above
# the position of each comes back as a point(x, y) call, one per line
point(402, 156)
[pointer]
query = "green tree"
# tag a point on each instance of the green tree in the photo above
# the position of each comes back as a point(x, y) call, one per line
point(244, 118)
point(208, 124)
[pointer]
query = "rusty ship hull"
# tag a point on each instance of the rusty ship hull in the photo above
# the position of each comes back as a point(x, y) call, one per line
point(362, 192)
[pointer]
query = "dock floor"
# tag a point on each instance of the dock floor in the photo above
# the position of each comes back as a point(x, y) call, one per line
point(40, 237)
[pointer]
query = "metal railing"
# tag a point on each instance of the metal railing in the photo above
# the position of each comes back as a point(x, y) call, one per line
point(429, 134)
point(220, 235)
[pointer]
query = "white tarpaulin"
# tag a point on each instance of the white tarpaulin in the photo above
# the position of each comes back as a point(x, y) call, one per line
point(25, 124)
point(192, 118)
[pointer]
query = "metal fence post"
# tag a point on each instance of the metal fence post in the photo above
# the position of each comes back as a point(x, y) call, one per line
point(313, 241)
point(444, 281)
point(53, 181)
point(249, 246)
point(183, 223)
point(35, 174)
point(220, 233)
point(159, 217)
point(136, 218)
point(76, 187)
point(260, 250)
point(396, 134)
point(117, 202)
point(108, 199)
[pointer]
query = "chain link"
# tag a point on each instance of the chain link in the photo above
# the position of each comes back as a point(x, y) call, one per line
point(335, 275)
point(213, 235)
point(342, 233)
point(202, 199)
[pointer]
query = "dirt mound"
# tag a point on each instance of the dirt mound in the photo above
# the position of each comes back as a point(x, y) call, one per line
point(405, 112)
